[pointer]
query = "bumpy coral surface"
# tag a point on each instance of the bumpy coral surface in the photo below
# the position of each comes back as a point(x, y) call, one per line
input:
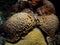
point(18, 25)
point(48, 23)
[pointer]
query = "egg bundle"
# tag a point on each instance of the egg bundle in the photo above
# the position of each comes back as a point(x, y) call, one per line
point(21, 24)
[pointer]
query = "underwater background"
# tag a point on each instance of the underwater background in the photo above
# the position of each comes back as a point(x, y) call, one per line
point(6, 9)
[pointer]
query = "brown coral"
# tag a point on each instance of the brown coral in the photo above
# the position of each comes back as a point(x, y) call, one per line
point(18, 25)
point(48, 23)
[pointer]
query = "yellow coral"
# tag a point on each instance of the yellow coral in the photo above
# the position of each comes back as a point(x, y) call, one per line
point(35, 37)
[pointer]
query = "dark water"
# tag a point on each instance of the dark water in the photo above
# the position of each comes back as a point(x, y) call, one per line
point(2, 40)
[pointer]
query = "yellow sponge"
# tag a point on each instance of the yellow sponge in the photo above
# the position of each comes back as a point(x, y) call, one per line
point(35, 37)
